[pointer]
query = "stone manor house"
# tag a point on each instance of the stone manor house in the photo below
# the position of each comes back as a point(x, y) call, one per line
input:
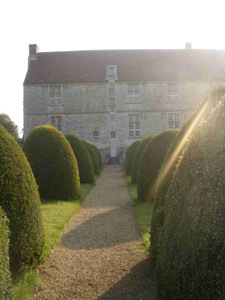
point(111, 98)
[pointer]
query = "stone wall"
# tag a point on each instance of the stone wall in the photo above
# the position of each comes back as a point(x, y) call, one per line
point(84, 109)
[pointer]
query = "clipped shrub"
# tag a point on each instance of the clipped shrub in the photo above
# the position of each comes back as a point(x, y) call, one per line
point(53, 163)
point(191, 258)
point(99, 156)
point(85, 166)
point(171, 160)
point(150, 164)
point(129, 156)
point(94, 156)
point(137, 157)
point(5, 278)
point(20, 200)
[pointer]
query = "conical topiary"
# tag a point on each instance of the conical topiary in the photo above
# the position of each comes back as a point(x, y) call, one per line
point(94, 156)
point(129, 156)
point(5, 279)
point(53, 163)
point(85, 165)
point(20, 200)
point(190, 263)
point(150, 164)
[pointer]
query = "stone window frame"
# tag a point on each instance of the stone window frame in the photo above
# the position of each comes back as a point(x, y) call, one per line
point(174, 120)
point(56, 121)
point(55, 95)
point(133, 93)
point(173, 94)
point(134, 125)
point(111, 72)
point(112, 117)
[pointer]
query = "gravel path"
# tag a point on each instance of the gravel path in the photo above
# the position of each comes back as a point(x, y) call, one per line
point(99, 256)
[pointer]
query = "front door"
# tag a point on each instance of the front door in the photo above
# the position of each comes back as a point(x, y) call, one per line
point(113, 144)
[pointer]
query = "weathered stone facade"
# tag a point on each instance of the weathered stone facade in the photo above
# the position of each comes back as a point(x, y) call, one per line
point(111, 113)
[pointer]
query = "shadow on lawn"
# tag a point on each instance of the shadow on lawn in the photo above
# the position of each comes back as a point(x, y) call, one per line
point(104, 230)
point(139, 284)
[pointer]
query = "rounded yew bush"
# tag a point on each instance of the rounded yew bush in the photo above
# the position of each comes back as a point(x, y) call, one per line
point(150, 164)
point(129, 156)
point(171, 160)
point(5, 279)
point(85, 166)
point(94, 156)
point(136, 158)
point(99, 156)
point(53, 163)
point(20, 201)
point(190, 263)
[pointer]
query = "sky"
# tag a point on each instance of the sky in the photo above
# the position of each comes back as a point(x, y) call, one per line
point(98, 24)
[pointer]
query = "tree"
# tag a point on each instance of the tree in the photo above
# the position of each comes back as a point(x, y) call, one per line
point(9, 125)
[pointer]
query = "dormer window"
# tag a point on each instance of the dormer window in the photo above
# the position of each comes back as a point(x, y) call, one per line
point(133, 93)
point(173, 92)
point(111, 72)
point(55, 94)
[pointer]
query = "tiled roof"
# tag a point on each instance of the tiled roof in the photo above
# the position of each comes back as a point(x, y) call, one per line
point(132, 65)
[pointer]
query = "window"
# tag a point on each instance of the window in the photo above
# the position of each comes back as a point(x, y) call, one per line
point(133, 93)
point(112, 108)
point(174, 120)
point(173, 92)
point(55, 94)
point(112, 101)
point(134, 125)
point(111, 73)
point(95, 133)
point(57, 122)
point(113, 134)
point(112, 117)
point(111, 84)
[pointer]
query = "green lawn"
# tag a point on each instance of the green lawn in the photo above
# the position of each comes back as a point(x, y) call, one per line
point(143, 214)
point(56, 214)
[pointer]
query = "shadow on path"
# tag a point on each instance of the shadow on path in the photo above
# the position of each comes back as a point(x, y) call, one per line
point(137, 285)
point(104, 230)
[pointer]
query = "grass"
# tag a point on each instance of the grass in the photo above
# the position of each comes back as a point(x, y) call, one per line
point(143, 213)
point(56, 214)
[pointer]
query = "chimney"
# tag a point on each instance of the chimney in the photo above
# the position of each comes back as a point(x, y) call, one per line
point(33, 50)
point(188, 45)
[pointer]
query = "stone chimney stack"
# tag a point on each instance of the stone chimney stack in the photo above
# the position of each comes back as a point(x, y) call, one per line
point(188, 45)
point(33, 50)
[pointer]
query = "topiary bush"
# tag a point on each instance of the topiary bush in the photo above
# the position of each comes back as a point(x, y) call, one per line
point(191, 256)
point(129, 156)
point(94, 157)
point(5, 278)
point(85, 166)
point(171, 160)
point(136, 158)
point(99, 156)
point(151, 162)
point(20, 200)
point(53, 163)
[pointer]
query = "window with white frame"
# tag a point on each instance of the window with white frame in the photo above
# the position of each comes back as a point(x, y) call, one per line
point(134, 125)
point(113, 134)
point(95, 133)
point(111, 72)
point(57, 122)
point(133, 93)
point(111, 84)
point(112, 117)
point(174, 120)
point(173, 92)
point(55, 94)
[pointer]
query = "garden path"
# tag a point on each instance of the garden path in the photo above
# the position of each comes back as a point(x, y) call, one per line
point(99, 256)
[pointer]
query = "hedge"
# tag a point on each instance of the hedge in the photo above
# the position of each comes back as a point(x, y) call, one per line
point(191, 256)
point(137, 157)
point(5, 278)
point(94, 156)
point(150, 164)
point(99, 156)
point(20, 200)
point(171, 160)
point(85, 166)
point(53, 163)
point(129, 156)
